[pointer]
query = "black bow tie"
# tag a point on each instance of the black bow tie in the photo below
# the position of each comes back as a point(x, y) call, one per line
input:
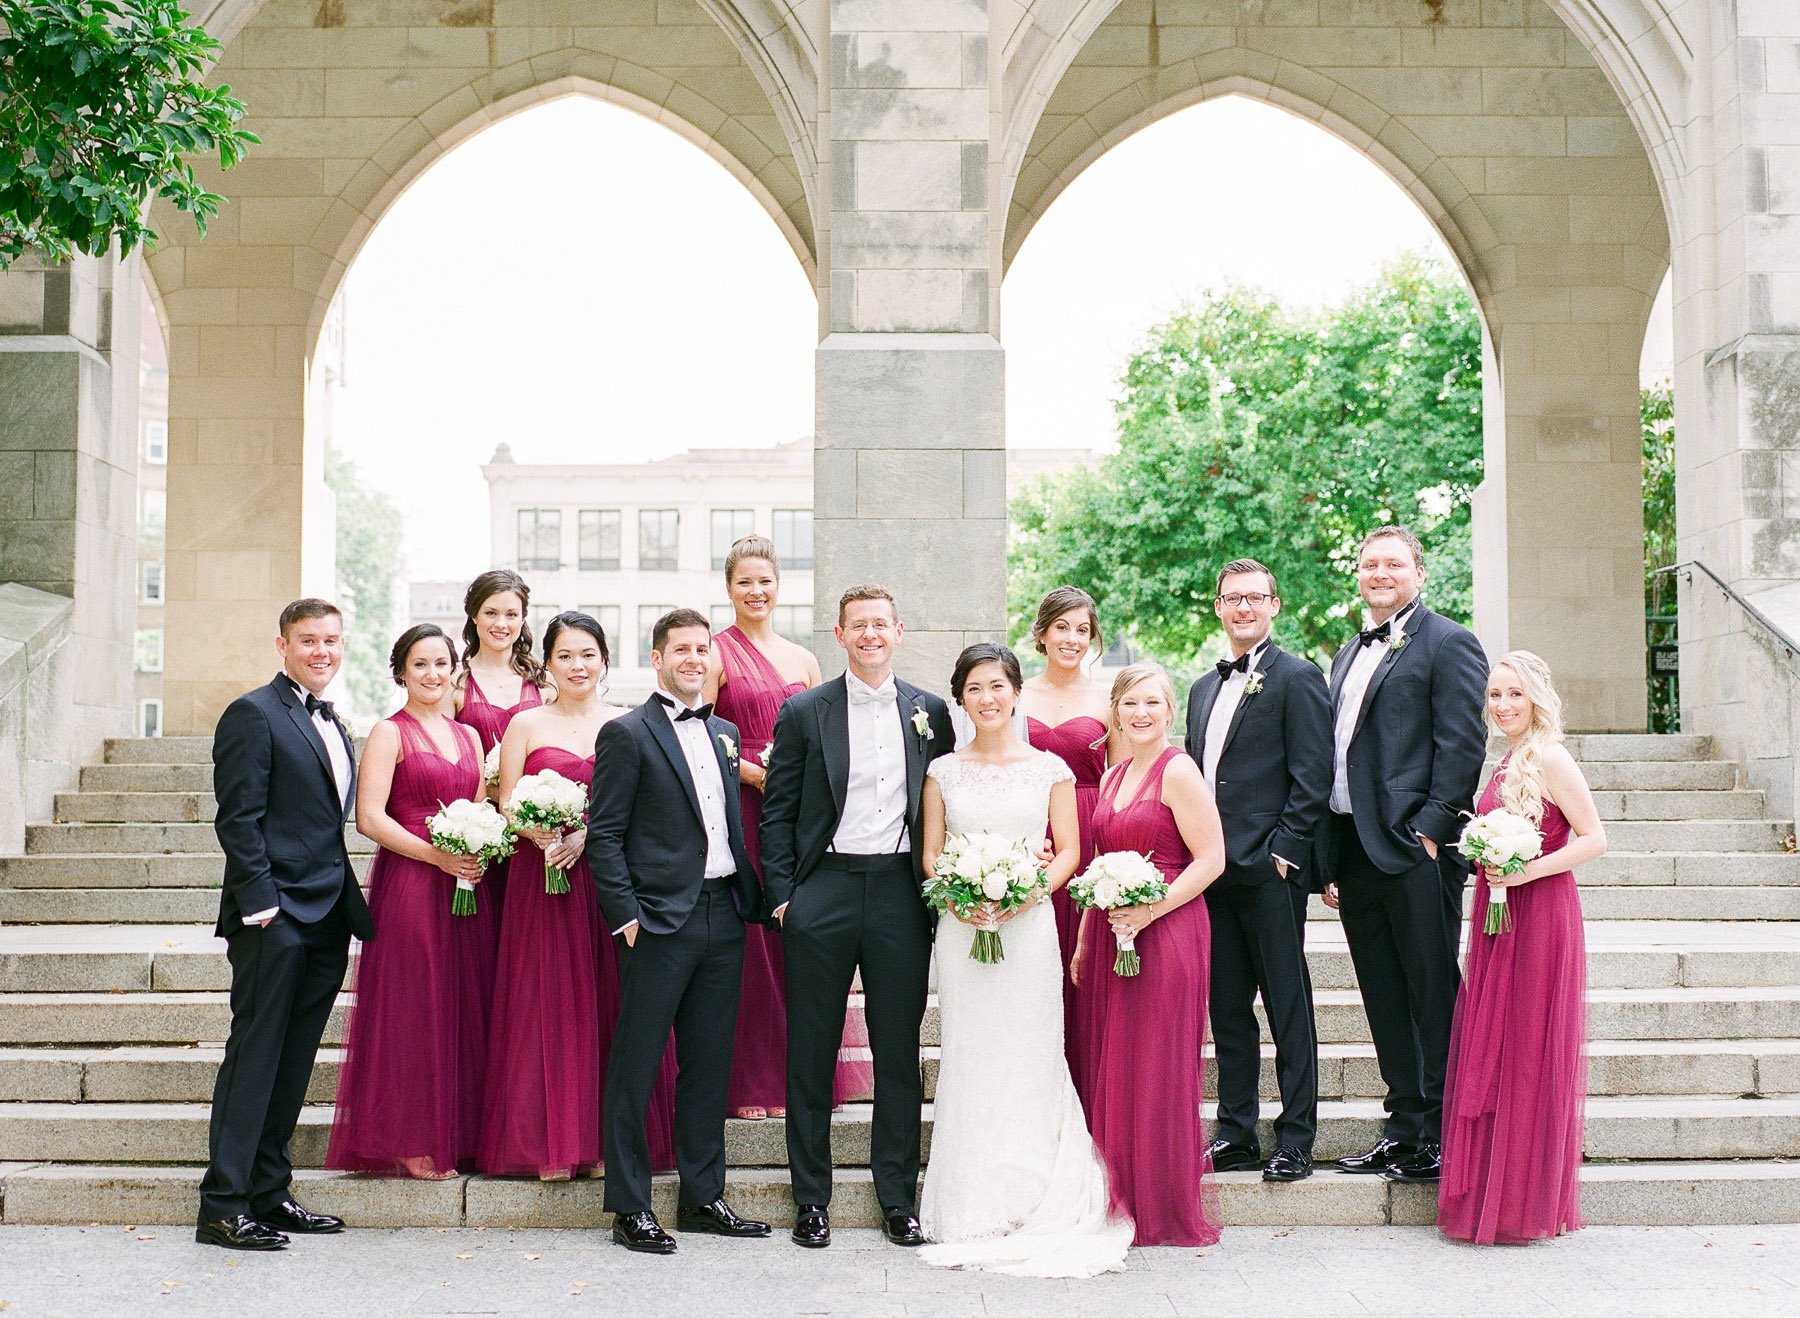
point(1227, 667)
point(316, 706)
point(702, 713)
point(1369, 635)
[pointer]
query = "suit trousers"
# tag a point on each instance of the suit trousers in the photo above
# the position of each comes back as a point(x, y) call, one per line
point(687, 981)
point(1259, 946)
point(850, 912)
point(1403, 932)
point(284, 979)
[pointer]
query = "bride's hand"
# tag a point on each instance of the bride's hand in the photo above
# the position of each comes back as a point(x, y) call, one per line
point(981, 915)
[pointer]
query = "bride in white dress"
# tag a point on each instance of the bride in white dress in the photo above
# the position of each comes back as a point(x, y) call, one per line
point(1014, 1183)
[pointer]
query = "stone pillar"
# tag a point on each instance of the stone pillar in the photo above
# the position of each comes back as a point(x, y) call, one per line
point(1737, 395)
point(68, 471)
point(910, 464)
point(238, 347)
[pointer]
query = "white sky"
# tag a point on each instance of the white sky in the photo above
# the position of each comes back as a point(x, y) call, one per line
point(587, 286)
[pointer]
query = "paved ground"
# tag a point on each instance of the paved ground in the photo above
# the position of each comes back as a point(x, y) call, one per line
point(1398, 1272)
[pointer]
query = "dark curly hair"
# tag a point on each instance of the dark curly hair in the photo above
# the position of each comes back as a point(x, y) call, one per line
point(483, 588)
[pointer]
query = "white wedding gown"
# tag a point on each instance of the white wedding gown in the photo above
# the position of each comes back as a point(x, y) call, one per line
point(1014, 1183)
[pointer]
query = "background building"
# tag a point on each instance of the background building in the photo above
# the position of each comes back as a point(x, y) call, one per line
point(152, 512)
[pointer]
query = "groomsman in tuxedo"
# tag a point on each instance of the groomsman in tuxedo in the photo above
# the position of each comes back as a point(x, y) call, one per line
point(1407, 694)
point(284, 775)
point(666, 850)
point(841, 873)
point(1259, 726)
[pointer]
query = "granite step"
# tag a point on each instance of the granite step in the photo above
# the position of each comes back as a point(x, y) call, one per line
point(1586, 746)
point(137, 839)
point(158, 750)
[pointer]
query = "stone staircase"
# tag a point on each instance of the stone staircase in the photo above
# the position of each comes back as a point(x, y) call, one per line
point(113, 1006)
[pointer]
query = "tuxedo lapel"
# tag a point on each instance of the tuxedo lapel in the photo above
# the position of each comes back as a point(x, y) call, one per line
point(1244, 699)
point(1388, 661)
point(1211, 685)
point(834, 739)
point(662, 732)
point(1340, 669)
point(915, 751)
point(310, 730)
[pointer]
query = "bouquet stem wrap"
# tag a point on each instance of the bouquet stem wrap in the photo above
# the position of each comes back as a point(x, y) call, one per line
point(463, 902)
point(1127, 963)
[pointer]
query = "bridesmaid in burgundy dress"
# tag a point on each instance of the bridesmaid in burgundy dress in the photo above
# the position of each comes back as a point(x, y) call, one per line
point(556, 995)
point(1142, 1036)
point(1066, 713)
point(500, 675)
point(753, 671)
point(409, 1096)
point(1517, 1081)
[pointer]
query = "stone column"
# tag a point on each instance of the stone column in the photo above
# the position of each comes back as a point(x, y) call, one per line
point(910, 464)
point(238, 346)
point(68, 471)
point(1737, 395)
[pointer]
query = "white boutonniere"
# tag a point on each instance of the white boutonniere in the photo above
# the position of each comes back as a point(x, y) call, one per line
point(729, 745)
point(768, 753)
point(1252, 683)
point(349, 727)
point(1399, 643)
point(921, 722)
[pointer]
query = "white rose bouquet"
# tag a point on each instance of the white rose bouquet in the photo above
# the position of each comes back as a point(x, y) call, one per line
point(490, 767)
point(1502, 841)
point(548, 800)
point(1115, 879)
point(984, 875)
point(469, 828)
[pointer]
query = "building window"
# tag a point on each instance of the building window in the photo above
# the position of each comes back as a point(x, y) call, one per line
point(647, 616)
point(723, 615)
point(728, 526)
point(149, 718)
point(659, 536)
point(156, 443)
point(793, 538)
point(599, 549)
point(153, 511)
point(794, 621)
point(540, 540)
point(147, 651)
point(152, 592)
point(607, 615)
point(539, 618)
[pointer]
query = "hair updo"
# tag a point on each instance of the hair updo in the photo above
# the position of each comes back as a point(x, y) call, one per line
point(581, 622)
point(403, 648)
point(484, 588)
point(1065, 599)
point(750, 546)
point(985, 652)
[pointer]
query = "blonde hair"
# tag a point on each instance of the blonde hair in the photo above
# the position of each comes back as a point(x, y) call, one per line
point(750, 546)
point(1131, 675)
point(1522, 789)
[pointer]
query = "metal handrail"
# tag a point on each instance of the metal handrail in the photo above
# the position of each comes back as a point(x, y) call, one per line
point(1756, 615)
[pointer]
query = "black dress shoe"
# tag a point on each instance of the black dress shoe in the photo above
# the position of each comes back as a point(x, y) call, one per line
point(901, 1228)
point(1378, 1159)
point(240, 1232)
point(718, 1218)
point(1288, 1164)
point(812, 1226)
point(289, 1216)
point(1425, 1166)
point(1228, 1157)
point(643, 1233)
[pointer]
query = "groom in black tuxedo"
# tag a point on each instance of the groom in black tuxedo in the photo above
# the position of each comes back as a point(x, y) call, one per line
point(841, 875)
point(1407, 694)
point(666, 850)
point(1259, 726)
point(284, 774)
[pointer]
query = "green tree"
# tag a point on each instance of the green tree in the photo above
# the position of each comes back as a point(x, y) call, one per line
point(1249, 429)
point(1656, 408)
point(370, 561)
point(100, 104)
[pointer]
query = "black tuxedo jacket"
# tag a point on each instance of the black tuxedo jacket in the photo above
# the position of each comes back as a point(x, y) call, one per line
point(646, 842)
point(809, 770)
point(1415, 757)
point(1274, 774)
point(280, 822)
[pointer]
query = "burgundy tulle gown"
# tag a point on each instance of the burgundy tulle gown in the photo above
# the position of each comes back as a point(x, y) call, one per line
point(1142, 1036)
point(750, 697)
point(489, 722)
point(1516, 1088)
point(1072, 741)
point(416, 1045)
point(556, 1004)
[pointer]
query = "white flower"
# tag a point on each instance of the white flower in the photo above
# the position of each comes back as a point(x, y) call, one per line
point(490, 767)
point(729, 745)
point(995, 884)
point(768, 753)
point(1399, 643)
point(1253, 683)
point(921, 722)
point(1106, 892)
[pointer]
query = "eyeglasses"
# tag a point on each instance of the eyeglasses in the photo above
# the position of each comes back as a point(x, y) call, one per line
point(880, 626)
point(1255, 601)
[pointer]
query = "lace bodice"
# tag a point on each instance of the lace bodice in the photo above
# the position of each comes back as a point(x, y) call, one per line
point(1011, 799)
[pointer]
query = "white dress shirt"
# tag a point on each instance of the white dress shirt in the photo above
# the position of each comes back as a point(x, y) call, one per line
point(874, 818)
point(1350, 700)
point(1218, 723)
point(339, 755)
point(709, 786)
